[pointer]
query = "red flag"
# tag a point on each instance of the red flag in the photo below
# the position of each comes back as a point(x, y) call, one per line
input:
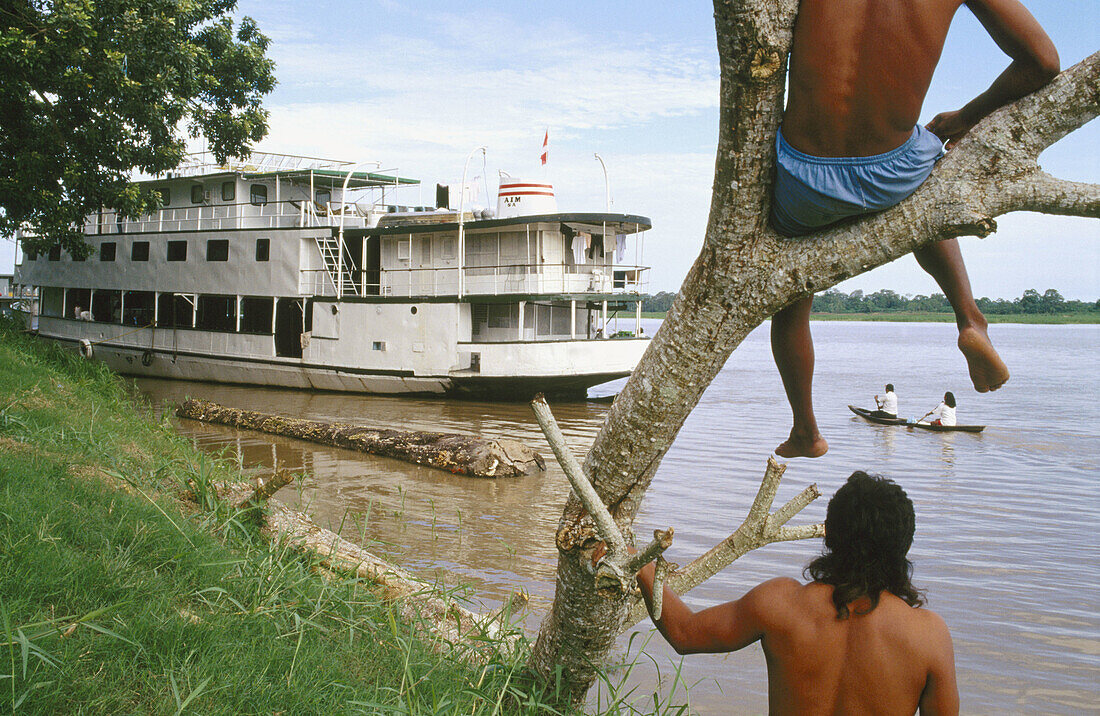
point(545, 146)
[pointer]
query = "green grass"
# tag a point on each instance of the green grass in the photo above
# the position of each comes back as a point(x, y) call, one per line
point(113, 599)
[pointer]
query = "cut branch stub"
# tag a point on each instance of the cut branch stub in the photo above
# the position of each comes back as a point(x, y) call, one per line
point(266, 490)
point(615, 571)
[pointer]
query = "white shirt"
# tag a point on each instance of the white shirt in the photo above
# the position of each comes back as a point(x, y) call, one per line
point(945, 414)
point(889, 403)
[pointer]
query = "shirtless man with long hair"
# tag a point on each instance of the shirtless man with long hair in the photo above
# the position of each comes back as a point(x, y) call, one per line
point(849, 145)
point(855, 640)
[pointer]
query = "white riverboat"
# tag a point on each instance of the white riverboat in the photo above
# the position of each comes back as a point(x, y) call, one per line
point(307, 273)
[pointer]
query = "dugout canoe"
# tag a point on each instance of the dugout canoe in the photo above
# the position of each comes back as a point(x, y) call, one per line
point(870, 417)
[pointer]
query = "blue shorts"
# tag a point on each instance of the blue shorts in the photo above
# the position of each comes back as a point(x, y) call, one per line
point(812, 192)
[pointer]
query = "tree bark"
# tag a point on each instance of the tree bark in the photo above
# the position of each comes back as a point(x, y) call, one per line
point(459, 454)
point(745, 272)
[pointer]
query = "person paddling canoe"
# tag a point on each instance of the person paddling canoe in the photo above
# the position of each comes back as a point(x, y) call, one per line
point(944, 412)
point(887, 404)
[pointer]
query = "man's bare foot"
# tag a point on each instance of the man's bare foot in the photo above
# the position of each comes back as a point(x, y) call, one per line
point(987, 370)
point(799, 445)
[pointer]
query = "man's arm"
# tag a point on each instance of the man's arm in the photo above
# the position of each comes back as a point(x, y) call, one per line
point(1034, 64)
point(941, 692)
point(722, 628)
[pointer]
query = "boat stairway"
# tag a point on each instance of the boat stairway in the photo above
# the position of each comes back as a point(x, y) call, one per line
point(343, 282)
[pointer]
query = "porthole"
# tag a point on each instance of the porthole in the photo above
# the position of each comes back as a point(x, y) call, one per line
point(413, 310)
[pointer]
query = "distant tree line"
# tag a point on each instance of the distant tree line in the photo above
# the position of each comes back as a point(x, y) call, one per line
point(887, 301)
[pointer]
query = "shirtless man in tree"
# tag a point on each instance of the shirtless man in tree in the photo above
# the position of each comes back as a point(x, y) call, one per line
point(852, 641)
point(859, 71)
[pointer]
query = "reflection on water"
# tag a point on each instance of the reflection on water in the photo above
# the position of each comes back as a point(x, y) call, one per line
point(1006, 544)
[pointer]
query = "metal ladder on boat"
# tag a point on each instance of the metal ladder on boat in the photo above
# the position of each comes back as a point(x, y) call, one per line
point(343, 282)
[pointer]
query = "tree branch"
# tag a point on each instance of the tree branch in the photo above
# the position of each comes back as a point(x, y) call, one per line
point(1050, 195)
point(759, 528)
point(615, 571)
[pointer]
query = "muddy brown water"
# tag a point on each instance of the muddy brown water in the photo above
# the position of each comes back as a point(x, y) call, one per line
point(1008, 521)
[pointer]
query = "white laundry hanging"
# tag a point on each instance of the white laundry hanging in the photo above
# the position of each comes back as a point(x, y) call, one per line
point(578, 246)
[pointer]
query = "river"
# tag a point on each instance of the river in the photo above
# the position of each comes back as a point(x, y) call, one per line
point(1007, 543)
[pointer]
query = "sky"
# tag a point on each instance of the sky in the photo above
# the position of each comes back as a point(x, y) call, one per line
point(418, 85)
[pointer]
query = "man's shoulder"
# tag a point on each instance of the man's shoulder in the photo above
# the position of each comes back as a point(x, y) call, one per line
point(775, 600)
point(917, 618)
point(779, 587)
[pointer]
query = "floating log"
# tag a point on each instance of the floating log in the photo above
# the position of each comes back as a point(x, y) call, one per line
point(459, 454)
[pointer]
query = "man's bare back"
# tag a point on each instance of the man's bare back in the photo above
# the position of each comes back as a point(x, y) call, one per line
point(890, 660)
point(859, 69)
point(853, 641)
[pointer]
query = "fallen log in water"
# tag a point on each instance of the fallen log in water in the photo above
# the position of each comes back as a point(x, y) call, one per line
point(423, 605)
point(460, 454)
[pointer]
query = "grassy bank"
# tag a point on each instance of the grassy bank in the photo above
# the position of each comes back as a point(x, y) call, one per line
point(926, 317)
point(116, 598)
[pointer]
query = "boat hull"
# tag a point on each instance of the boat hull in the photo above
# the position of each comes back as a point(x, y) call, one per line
point(950, 428)
point(149, 362)
point(870, 417)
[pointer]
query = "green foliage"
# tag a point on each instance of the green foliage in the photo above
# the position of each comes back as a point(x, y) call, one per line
point(93, 89)
point(886, 301)
point(658, 303)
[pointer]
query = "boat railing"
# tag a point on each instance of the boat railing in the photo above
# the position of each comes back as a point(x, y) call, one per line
point(202, 163)
point(290, 213)
point(499, 280)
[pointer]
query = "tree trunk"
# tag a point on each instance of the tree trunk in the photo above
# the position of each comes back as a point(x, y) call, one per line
point(460, 454)
point(746, 272)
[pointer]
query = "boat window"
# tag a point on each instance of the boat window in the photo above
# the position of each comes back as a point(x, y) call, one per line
point(258, 194)
point(77, 301)
point(107, 306)
point(177, 250)
point(216, 313)
point(174, 310)
point(217, 250)
point(229, 190)
point(263, 249)
point(560, 323)
point(107, 251)
point(257, 314)
point(139, 251)
point(165, 196)
point(403, 249)
point(542, 320)
point(52, 302)
point(54, 253)
point(503, 315)
point(479, 317)
point(324, 196)
point(137, 308)
point(447, 247)
point(196, 194)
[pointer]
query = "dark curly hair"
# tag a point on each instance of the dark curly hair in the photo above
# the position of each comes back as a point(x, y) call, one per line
point(868, 531)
